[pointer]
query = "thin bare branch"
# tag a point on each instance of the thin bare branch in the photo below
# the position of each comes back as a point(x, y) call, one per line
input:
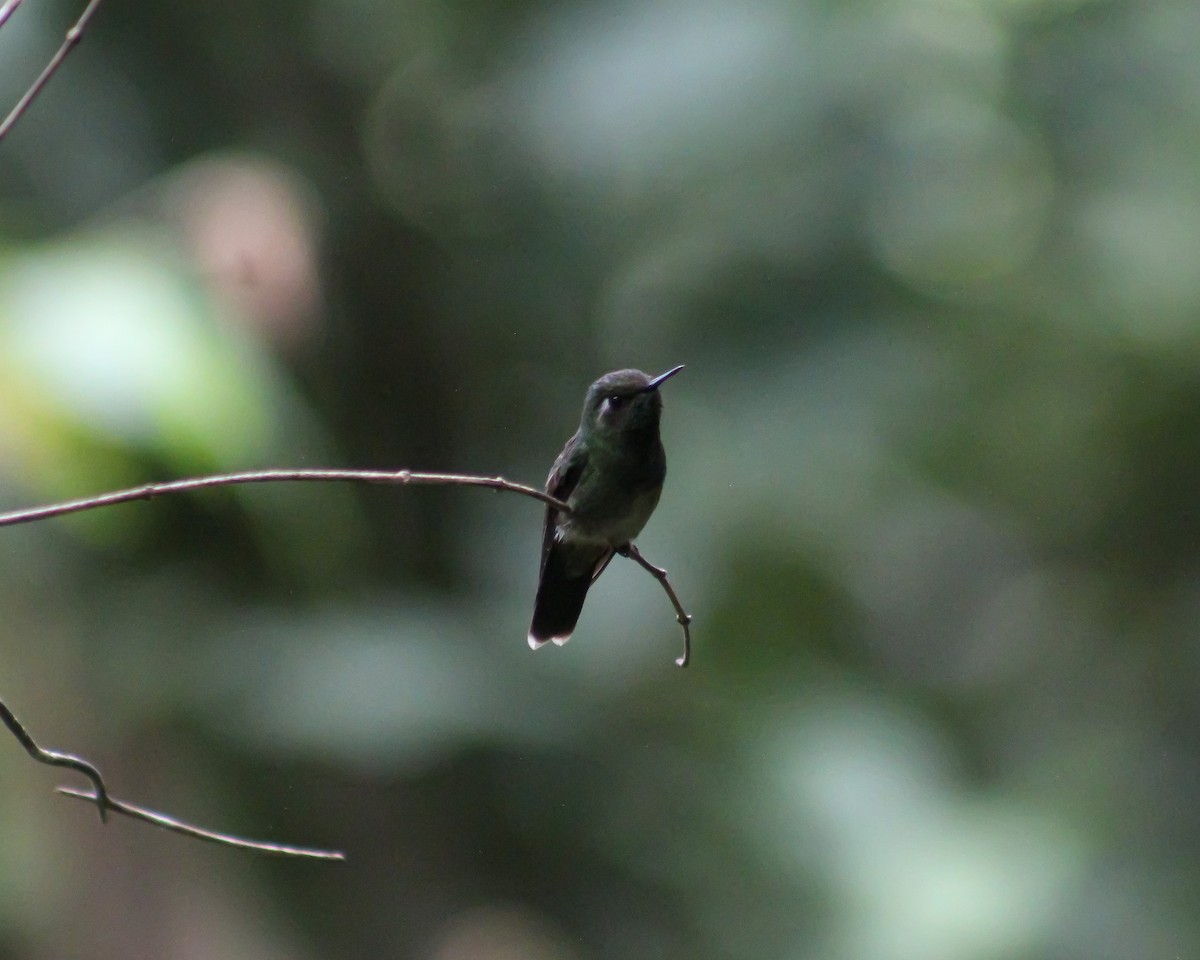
point(682, 616)
point(102, 800)
point(151, 490)
point(198, 833)
point(74, 35)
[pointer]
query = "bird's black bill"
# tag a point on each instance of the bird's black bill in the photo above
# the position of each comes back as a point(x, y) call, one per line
point(657, 381)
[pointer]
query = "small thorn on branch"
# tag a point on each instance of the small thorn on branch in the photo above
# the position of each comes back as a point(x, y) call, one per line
point(74, 35)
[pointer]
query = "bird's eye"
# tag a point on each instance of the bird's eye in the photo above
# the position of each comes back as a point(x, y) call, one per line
point(613, 403)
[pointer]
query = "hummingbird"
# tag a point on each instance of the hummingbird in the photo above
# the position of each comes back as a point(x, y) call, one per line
point(610, 474)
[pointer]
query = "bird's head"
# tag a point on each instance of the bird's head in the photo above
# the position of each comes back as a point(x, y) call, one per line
point(624, 400)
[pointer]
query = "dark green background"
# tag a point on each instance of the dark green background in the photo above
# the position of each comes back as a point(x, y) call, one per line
point(932, 266)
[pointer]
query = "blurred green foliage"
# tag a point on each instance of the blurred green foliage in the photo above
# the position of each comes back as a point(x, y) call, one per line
point(931, 265)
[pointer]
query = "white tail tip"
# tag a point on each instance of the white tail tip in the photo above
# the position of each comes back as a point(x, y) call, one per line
point(535, 643)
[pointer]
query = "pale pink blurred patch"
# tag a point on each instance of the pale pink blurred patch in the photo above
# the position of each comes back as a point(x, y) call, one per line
point(501, 933)
point(251, 224)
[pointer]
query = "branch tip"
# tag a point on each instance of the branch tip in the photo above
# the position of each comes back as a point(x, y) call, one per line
point(682, 617)
point(176, 825)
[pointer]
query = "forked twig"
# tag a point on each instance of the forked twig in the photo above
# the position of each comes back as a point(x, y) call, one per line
point(105, 802)
point(74, 35)
point(682, 616)
point(102, 800)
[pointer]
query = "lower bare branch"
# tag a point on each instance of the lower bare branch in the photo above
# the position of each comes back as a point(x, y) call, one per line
point(199, 833)
point(151, 490)
point(682, 616)
point(74, 35)
point(105, 801)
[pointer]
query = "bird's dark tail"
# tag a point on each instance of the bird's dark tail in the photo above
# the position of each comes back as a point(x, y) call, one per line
point(560, 596)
